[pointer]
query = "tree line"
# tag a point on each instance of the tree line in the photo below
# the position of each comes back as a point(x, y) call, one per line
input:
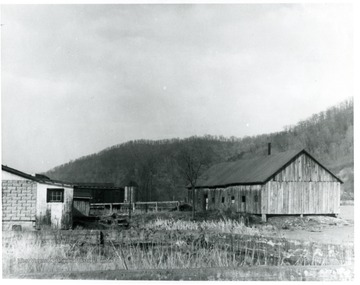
point(158, 166)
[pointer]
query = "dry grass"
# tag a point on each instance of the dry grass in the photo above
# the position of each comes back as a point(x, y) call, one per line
point(187, 247)
point(227, 226)
point(24, 255)
point(27, 256)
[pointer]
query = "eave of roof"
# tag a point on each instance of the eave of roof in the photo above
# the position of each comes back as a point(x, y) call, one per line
point(253, 166)
point(97, 187)
point(34, 178)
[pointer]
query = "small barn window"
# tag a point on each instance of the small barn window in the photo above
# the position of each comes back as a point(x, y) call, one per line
point(243, 199)
point(232, 199)
point(222, 199)
point(213, 199)
point(256, 198)
point(55, 195)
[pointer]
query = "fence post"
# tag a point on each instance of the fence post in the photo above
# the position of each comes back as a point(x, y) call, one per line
point(178, 205)
point(156, 206)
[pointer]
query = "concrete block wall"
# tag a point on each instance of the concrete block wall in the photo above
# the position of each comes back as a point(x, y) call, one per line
point(18, 200)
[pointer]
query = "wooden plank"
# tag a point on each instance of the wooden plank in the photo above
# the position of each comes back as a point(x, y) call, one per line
point(331, 197)
point(263, 198)
point(301, 197)
point(271, 198)
point(317, 195)
point(298, 197)
point(311, 199)
point(308, 197)
point(325, 202)
point(322, 197)
point(299, 190)
point(304, 196)
point(314, 196)
point(280, 200)
point(285, 201)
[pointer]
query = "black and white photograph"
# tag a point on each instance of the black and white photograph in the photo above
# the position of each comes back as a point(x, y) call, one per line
point(194, 141)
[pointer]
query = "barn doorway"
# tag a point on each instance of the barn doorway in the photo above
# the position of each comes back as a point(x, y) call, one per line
point(243, 204)
point(206, 202)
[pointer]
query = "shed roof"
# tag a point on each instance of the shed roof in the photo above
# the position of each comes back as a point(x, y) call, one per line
point(37, 178)
point(99, 186)
point(250, 171)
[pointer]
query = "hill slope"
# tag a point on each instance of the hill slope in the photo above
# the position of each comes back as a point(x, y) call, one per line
point(154, 164)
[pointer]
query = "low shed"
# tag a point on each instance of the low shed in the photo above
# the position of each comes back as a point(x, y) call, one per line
point(35, 201)
point(99, 192)
point(287, 183)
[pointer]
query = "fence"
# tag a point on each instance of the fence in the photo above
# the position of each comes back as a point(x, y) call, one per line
point(241, 249)
point(99, 209)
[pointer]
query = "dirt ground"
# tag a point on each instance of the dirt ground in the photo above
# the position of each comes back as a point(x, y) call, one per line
point(337, 231)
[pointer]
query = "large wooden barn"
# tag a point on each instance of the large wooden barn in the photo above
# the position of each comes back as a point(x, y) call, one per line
point(287, 183)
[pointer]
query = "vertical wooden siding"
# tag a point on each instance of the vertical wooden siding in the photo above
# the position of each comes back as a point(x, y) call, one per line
point(301, 198)
point(249, 191)
point(303, 187)
point(304, 168)
point(83, 206)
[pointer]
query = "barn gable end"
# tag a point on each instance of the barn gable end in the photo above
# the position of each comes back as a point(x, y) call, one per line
point(304, 168)
point(302, 186)
point(287, 183)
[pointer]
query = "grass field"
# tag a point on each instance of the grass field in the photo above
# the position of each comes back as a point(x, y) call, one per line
point(172, 240)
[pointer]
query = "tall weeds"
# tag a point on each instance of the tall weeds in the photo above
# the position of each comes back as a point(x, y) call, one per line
point(227, 226)
point(24, 255)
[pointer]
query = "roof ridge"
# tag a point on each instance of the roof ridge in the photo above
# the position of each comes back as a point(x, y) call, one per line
point(297, 150)
point(257, 170)
point(32, 177)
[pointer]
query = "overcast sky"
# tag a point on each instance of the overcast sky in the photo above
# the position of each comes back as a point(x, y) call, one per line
point(77, 79)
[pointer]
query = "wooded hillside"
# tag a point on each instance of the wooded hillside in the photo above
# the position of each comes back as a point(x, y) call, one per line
point(155, 165)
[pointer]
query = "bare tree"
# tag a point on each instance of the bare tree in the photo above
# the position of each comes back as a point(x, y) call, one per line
point(194, 158)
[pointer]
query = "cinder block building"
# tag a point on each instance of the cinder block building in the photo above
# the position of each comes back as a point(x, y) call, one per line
point(35, 201)
point(287, 183)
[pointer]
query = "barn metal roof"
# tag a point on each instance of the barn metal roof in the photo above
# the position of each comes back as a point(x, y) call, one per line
point(249, 171)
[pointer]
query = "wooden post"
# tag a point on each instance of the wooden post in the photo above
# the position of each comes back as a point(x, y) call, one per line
point(101, 243)
point(263, 218)
point(156, 206)
point(193, 204)
point(129, 204)
point(178, 205)
point(111, 208)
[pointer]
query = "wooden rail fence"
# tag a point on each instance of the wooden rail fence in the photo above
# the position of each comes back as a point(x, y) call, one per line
point(98, 209)
point(105, 244)
point(281, 249)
